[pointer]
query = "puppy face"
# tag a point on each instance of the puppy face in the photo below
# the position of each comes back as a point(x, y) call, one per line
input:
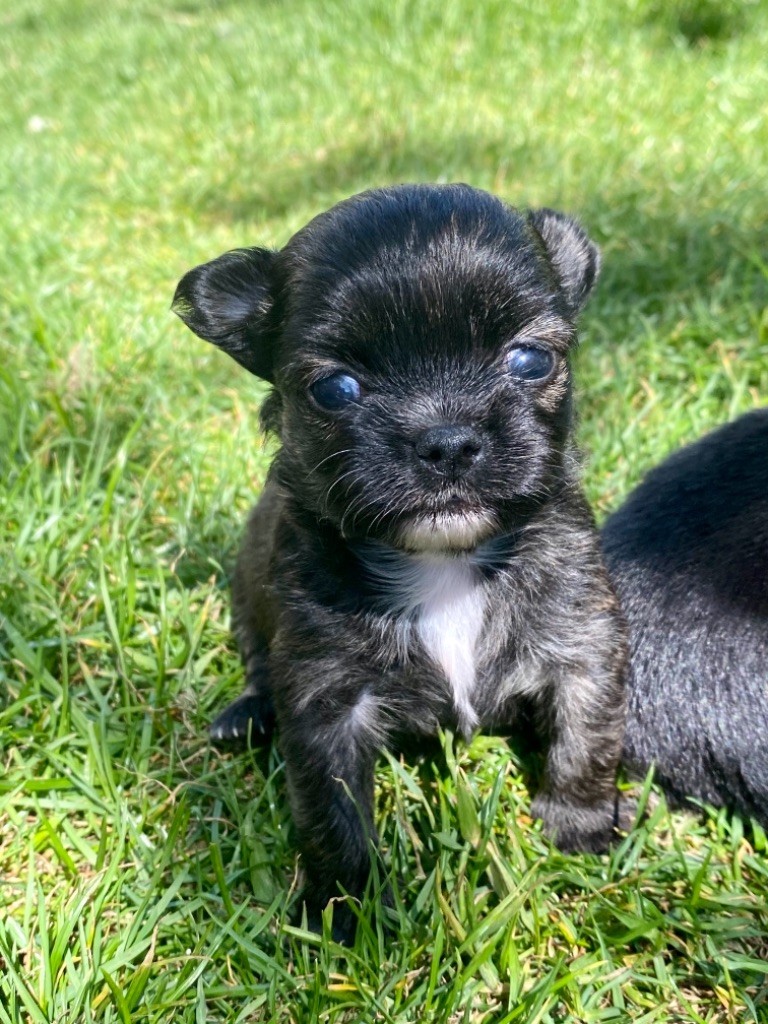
point(417, 339)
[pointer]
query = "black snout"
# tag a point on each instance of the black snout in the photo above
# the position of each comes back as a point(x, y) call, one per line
point(449, 450)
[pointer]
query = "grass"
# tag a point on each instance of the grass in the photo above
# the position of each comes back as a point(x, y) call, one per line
point(143, 876)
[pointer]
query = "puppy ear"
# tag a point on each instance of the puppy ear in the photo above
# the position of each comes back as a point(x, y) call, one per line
point(228, 302)
point(574, 258)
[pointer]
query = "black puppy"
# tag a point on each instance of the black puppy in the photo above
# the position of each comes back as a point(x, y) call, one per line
point(688, 553)
point(422, 555)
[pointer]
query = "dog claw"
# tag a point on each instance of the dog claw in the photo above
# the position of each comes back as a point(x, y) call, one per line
point(249, 718)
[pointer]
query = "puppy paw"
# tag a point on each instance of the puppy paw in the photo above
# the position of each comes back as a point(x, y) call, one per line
point(625, 813)
point(250, 717)
point(343, 923)
point(578, 829)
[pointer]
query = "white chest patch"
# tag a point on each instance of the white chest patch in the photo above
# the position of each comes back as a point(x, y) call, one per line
point(448, 622)
point(442, 599)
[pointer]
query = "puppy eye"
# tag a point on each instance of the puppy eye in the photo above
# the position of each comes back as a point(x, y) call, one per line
point(335, 392)
point(530, 362)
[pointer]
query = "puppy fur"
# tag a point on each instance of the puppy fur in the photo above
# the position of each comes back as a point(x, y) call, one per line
point(422, 555)
point(688, 554)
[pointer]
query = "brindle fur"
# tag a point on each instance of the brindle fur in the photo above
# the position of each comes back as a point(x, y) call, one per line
point(419, 292)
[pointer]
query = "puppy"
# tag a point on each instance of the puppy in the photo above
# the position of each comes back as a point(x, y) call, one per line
point(688, 553)
point(422, 555)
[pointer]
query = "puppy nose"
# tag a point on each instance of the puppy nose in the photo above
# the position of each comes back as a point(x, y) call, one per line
point(449, 449)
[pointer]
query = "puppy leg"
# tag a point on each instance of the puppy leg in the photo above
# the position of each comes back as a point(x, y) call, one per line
point(583, 727)
point(252, 714)
point(329, 767)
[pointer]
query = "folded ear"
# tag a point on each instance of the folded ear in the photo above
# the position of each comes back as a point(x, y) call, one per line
point(574, 258)
point(229, 302)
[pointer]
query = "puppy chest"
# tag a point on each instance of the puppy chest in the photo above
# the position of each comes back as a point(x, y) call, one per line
point(448, 621)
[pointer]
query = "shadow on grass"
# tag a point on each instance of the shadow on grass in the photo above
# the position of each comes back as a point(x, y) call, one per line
point(335, 171)
point(698, 23)
point(661, 250)
point(206, 555)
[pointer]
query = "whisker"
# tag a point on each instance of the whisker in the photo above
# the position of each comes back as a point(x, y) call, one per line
point(333, 455)
point(338, 480)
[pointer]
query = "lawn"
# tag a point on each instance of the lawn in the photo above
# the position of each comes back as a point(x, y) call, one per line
point(145, 877)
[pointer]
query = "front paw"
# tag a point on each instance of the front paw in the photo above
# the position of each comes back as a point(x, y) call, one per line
point(250, 718)
point(343, 923)
point(578, 829)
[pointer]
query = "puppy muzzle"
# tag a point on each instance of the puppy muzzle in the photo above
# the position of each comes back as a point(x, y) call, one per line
point(447, 531)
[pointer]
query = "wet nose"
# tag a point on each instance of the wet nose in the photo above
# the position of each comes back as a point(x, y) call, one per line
point(449, 450)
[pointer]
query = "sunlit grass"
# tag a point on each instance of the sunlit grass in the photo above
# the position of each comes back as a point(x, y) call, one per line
point(143, 876)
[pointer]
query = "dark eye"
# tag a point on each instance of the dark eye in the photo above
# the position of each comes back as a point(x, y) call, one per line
point(335, 392)
point(530, 362)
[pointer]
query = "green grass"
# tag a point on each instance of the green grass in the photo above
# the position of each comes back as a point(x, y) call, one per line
point(143, 876)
